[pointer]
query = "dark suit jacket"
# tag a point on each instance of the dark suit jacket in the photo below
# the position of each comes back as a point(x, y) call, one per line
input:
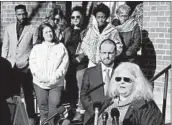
point(92, 78)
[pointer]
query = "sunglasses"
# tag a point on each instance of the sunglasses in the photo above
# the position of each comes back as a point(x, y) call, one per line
point(75, 17)
point(125, 79)
point(56, 19)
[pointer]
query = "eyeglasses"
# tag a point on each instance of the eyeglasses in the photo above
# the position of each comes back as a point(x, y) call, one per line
point(123, 16)
point(56, 19)
point(75, 17)
point(125, 79)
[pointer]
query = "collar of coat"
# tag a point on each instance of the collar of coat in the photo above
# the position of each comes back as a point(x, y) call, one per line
point(107, 30)
point(127, 26)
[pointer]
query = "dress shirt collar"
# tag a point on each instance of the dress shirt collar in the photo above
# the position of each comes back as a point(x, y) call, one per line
point(105, 67)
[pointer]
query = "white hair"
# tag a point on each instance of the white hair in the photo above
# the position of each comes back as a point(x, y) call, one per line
point(141, 87)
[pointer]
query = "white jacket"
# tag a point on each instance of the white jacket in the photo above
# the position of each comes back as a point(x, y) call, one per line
point(48, 63)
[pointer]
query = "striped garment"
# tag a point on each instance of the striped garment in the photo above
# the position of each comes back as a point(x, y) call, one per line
point(93, 38)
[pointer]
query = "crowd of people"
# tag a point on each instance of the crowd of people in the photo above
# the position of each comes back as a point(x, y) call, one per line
point(99, 60)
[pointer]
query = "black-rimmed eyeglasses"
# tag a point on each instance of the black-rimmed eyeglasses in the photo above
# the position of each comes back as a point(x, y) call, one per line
point(75, 17)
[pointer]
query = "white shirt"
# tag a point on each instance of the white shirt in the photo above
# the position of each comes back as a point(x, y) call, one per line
point(104, 73)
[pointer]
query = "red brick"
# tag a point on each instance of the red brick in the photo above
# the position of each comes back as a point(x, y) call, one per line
point(167, 13)
point(153, 35)
point(144, 24)
point(152, 13)
point(159, 57)
point(168, 52)
point(161, 29)
point(146, 8)
point(160, 46)
point(152, 29)
point(167, 35)
point(167, 24)
point(160, 63)
point(169, 41)
point(145, 3)
point(167, 57)
point(167, 47)
point(145, 13)
point(160, 52)
point(161, 35)
point(169, 19)
point(161, 18)
point(161, 24)
point(146, 19)
point(161, 13)
point(152, 24)
point(163, 3)
point(160, 41)
point(153, 8)
point(162, 7)
point(152, 3)
point(169, 30)
point(153, 18)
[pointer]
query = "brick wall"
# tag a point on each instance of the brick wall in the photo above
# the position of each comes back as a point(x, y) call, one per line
point(37, 11)
point(156, 21)
point(156, 51)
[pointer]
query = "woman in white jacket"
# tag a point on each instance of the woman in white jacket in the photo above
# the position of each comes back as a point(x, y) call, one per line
point(48, 63)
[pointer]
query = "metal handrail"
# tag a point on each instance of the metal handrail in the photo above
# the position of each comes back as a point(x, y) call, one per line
point(165, 87)
point(160, 73)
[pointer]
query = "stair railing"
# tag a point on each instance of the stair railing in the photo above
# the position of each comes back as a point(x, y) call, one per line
point(166, 71)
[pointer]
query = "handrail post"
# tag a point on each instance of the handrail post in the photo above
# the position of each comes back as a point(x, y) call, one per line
point(165, 95)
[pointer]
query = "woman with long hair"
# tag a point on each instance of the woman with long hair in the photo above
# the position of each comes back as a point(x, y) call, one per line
point(48, 63)
point(57, 19)
point(132, 98)
point(72, 39)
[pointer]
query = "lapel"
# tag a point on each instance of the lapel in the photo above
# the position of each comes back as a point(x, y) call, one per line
point(14, 31)
point(99, 71)
point(23, 33)
point(115, 65)
point(67, 35)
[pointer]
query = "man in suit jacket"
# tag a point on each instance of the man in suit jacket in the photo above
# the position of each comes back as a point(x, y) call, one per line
point(18, 41)
point(97, 75)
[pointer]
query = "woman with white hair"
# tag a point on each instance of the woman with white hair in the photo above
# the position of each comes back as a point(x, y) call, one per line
point(129, 32)
point(132, 96)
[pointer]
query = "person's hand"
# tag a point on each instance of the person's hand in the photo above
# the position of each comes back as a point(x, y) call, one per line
point(59, 75)
point(44, 79)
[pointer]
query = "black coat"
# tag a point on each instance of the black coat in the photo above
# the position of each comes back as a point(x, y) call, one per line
point(140, 112)
point(71, 42)
point(7, 89)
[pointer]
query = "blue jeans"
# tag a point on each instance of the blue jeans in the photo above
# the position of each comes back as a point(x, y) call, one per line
point(79, 77)
point(48, 100)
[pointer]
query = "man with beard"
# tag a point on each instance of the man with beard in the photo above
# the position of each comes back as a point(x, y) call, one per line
point(18, 41)
point(97, 75)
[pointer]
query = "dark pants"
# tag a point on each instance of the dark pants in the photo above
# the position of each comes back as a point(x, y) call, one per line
point(5, 115)
point(71, 92)
point(23, 78)
point(48, 100)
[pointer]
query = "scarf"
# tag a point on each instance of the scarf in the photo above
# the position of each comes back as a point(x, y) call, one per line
point(127, 26)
